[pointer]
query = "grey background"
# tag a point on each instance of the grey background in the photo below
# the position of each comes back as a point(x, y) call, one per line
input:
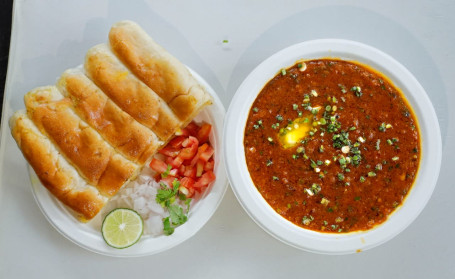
point(50, 36)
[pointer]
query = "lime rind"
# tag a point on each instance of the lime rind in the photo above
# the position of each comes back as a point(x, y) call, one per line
point(122, 228)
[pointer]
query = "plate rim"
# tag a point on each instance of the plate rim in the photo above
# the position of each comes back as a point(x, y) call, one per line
point(42, 197)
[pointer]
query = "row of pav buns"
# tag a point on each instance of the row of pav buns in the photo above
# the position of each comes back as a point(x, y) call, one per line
point(92, 132)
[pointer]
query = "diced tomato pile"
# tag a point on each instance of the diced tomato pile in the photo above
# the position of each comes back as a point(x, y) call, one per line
point(188, 157)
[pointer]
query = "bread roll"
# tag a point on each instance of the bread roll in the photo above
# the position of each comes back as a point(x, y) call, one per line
point(81, 145)
point(157, 68)
point(130, 138)
point(129, 93)
point(54, 172)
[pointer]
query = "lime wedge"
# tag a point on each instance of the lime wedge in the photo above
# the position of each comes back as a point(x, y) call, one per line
point(122, 227)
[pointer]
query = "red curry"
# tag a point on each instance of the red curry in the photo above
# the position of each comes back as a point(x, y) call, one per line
point(332, 145)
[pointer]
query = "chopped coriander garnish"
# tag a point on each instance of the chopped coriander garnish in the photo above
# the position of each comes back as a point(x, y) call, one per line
point(357, 90)
point(166, 173)
point(378, 142)
point(166, 197)
point(279, 117)
point(275, 178)
point(316, 188)
point(306, 220)
point(382, 127)
point(283, 72)
point(395, 158)
point(342, 88)
point(371, 174)
point(255, 109)
point(295, 106)
point(269, 163)
point(340, 176)
point(357, 198)
point(342, 160)
point(362, 179)
point(306, 98)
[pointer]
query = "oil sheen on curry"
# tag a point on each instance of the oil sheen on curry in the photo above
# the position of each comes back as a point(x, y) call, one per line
point(332, 145)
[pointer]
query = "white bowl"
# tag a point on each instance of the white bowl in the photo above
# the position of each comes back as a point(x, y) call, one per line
point(89, 236)
point(326, 243)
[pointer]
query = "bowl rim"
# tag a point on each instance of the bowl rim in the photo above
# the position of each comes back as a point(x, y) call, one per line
point(328, 243)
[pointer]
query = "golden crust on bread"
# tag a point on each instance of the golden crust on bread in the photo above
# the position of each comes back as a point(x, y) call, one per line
point(79, 143)
point(86, 144)
point(161, 71)
point(54, 172)
point(133, 140)
point(129, 93)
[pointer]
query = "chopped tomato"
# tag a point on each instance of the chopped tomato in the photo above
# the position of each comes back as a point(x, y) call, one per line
point(190, 172)
point(205, 179)
point(170, 151)
point(199, 168)
point(188, 192)
point(191, 145)
point(189, 158)
point(169, 161)
point(200, 150)
point(177, 162)
point(192, 129)
point(209, 165)
point(204, 132)
point(190, 141)
point(205, 156)
point(158, 165)
point(182, 169)
point(176, 142)
point(187, 182)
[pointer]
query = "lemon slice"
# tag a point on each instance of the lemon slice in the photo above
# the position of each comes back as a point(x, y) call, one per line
point(122, 227)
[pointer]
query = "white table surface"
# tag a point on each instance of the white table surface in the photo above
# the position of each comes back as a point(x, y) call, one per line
point(419, 34)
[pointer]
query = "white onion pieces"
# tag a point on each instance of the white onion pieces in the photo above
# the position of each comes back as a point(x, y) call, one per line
point(140, 195)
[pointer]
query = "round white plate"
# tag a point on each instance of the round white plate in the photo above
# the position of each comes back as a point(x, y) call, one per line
point(89, 236)
point(253, 202)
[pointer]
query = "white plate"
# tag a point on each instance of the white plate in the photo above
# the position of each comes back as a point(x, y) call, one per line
point(89, 236)
point(260, 211)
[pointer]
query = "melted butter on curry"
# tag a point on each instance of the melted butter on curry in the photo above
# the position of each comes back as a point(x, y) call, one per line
point(332, 145)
